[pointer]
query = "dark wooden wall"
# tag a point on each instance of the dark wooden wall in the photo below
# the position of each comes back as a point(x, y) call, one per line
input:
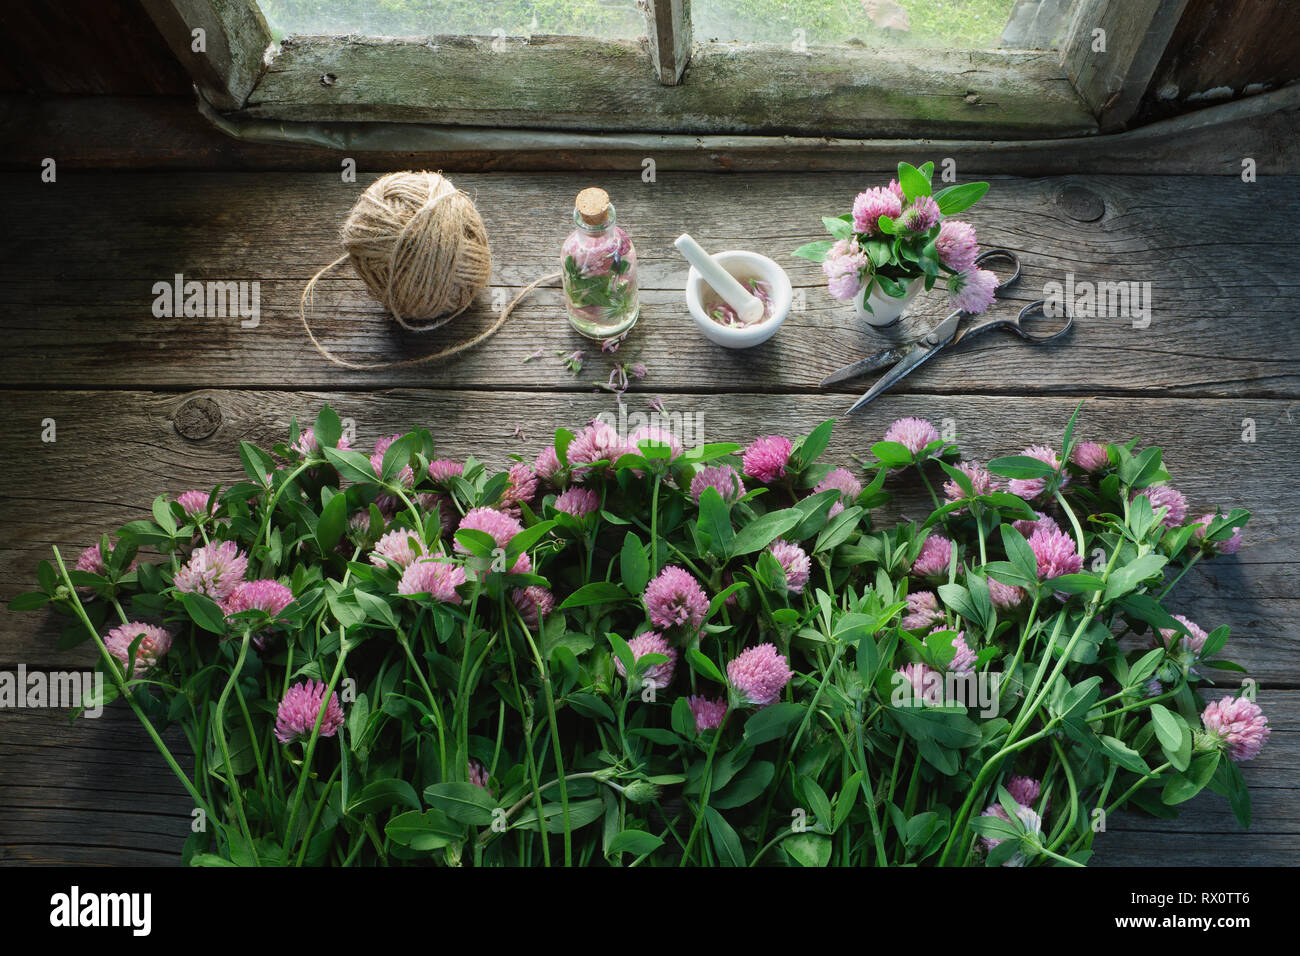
point(85, 47)
point(1241, 46)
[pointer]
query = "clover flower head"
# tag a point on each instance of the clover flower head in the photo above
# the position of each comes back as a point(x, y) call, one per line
point(599, 441)
point(921, 215)
point(1191, 642)
point(1005, 596)
point(91, 560)
point(914, 434)
point(1027, 527)
point(521, 486)
point(982, 481)
point(794, 562)
point(578, 502)
point(547, 464)
point(1090, 456)
point(765, 459)
point(934, 557)
point(307, 445)
point(1030, 488)
point(897, 190)
point(1228, 545)
point(406, 477)
point(154, 643)
point(193, 503)
point(655, 437)
point(1163, 496)
point(724, 479)
point(401, 546)
point(759, 674)
point(922, 610)
point(214, 569)
point(972, 291)
point(534, 602)
point(658, 676)
point(1238, 725)
point(442, 470)
point(1028, 818)
point(435, 577)
point(956, 245)
point(1055, 553)
point(1024, 790)
point(478, 774)
point(843, 266)
point(841, 480)
point(870, 205)
point(497, 524)
point(708, 714)
point(926, 682)
point(675, 599)
point(963, 660)
point(299, 709)
point(266, 595)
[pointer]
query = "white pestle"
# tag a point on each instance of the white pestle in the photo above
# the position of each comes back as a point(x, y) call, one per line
point(749, 308)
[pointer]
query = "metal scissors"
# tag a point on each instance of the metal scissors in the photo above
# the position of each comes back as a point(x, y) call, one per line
point(949, 332)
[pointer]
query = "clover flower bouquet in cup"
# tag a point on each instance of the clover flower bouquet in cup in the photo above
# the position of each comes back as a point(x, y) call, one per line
point(624, 652)
point(898, 240)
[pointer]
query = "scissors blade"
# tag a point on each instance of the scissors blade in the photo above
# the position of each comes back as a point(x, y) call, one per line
point(922, 352)
point(868, 364)
point(910, 363)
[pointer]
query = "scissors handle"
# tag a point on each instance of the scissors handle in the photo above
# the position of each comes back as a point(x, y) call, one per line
point(1042, 328)
point(1033, 324)
point(1005, 255)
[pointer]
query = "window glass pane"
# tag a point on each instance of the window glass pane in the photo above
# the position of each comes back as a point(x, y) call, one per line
point(599, 18)
point(948, 24)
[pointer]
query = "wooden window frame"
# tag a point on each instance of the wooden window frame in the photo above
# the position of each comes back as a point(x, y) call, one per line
point(584, 85)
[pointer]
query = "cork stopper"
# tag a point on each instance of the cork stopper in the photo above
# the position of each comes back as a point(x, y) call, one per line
point(592, 205)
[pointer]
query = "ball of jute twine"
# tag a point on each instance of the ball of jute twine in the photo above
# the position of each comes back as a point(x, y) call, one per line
point(420, 246)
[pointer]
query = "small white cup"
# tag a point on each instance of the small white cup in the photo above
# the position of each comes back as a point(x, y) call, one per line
point(745, 265)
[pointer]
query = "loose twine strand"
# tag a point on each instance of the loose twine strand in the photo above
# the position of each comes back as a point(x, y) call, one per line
point(420, 247)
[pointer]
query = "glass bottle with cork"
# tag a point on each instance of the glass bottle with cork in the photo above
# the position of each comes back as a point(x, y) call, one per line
point(599, 268)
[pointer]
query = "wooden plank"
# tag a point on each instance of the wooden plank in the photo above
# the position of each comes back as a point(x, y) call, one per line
point(228, 61)
point(132, 440)
point(1223, 49)
point(77, 301)
point(668, 26)
point(608, 86)
point(73, 793)
point(1111, 51)
point(140, 133)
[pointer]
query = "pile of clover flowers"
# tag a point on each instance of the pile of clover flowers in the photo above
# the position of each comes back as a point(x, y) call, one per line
point(481, 616)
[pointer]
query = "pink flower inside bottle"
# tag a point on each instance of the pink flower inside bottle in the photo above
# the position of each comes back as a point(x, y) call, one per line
point(599, 267)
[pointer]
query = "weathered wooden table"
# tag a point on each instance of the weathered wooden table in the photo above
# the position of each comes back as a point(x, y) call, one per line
point(144, 405)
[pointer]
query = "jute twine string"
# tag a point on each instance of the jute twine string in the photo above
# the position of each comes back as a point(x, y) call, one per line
point(421, 248)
